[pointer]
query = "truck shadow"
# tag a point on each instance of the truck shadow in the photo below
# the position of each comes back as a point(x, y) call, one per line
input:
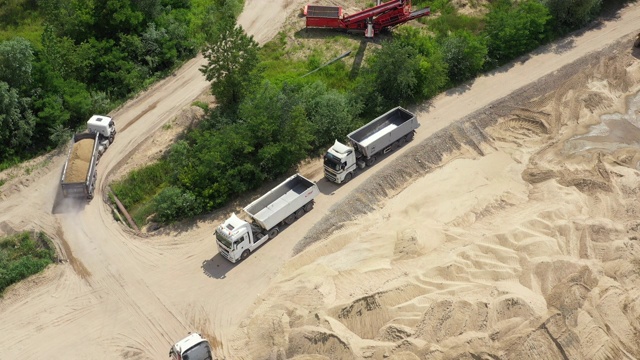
point(217, 267)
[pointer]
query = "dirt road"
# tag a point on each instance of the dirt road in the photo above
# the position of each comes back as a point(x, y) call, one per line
point(122, 296)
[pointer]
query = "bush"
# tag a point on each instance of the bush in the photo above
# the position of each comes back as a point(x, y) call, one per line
point(572, 14)
point(142, 184)
point(464, 54)
point(173, 203)
point(21, 256)
point(514, 29)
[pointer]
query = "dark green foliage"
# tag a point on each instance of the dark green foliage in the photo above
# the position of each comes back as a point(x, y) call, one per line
point(173, 203)
point(513, 29)
point(465, 55)
point(16, 63)
point(232, 58)
point(330, 112)
point(16, 122)
point(91, 54)
point(569, 15)
point(410, 68)
point(22, 255)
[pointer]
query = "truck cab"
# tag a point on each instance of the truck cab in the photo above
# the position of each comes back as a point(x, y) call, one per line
point(192, 347)
point(105, 126)
point(340, 163)
point(237, 238)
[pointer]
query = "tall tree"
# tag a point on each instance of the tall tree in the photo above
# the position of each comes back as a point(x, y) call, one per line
point(16, 63)
point(232, 58)
point(16, 122)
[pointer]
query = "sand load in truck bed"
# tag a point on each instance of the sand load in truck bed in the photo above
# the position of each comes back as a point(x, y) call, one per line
point(79, 161)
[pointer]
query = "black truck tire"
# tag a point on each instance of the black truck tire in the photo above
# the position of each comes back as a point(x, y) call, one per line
point(308, 206)
point(245, 254)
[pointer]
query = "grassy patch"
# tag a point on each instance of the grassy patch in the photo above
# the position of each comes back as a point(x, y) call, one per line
point(30, 29)
point(139, 187)
point(23, 255)
point(282, 62)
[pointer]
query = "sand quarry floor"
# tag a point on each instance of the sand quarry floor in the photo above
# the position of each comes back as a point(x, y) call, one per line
point(508, 229)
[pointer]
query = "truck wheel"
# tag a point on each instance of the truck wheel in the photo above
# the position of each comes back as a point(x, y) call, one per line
point(273, 233)
point(290, 219)
point(245, 254)
point(347, 178)
point(409, 136)
point(308, 206)
point(395, 146)
point(371, 161)
point(402, 141)
point(299, 213)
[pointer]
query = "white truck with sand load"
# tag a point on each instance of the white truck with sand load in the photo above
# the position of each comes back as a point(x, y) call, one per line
point(79, 172)
point(385, 133)
point(192, 347)
point(282, 205)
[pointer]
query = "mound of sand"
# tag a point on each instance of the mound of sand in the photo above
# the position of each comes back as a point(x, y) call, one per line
point(511, 235)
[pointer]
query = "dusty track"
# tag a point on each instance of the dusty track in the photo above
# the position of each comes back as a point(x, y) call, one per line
point(130, 297)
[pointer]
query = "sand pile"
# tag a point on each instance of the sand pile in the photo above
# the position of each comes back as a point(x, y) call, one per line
point(511, 235)
point(80, 161)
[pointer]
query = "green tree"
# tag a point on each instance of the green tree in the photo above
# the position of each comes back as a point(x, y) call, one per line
point(231, 60)
point(515, 28)
point(174, 203)
point(16, 122)
point(16, 63)
point(331, 113)
point(464, 54)
point(572, 14)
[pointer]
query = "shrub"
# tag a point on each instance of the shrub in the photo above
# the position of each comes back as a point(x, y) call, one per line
point(21, 256)
point(173, 203)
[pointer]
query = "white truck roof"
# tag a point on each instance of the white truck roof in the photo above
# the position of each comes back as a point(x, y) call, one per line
point(231, 225)
point(99, 122)
point(188, 342)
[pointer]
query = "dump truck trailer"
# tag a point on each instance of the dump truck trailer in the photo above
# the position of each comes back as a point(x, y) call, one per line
point(385, 133)
point(79, 172)
point(290, 200)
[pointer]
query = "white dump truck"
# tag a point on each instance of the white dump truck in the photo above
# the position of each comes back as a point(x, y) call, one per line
point(79, 172)
point(237, 238)
point(385, 133)
point(192, 347)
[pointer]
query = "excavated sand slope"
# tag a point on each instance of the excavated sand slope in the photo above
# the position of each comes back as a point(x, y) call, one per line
point(511, 235)
point(80, 161)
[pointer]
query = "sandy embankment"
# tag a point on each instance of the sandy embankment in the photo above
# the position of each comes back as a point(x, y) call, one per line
point(517, 238)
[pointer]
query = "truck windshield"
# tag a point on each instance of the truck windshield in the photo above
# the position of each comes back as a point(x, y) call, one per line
point(226, 242)
point(332, 161)
point(198, 352)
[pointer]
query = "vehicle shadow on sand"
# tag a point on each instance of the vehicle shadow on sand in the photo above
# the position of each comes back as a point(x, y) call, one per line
point(217, 267)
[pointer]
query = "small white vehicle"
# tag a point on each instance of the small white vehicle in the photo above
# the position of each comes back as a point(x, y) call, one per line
point(192, 347)
point(282, 205)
